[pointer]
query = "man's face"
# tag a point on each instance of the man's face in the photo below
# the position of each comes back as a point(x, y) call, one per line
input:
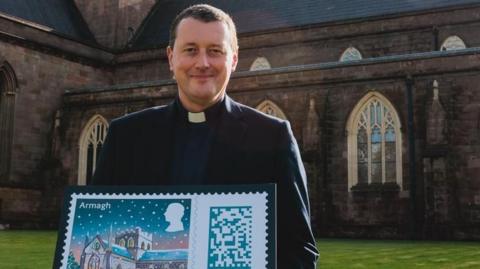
point(202, 60)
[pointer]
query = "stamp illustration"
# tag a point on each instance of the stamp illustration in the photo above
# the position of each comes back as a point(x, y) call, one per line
point(120, 233)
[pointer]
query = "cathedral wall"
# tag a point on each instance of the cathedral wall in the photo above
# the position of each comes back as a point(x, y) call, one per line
point(373, 38)
point(42, 80)
point(461, 177)
point(109, 104)
point(329, 50)
point(20, 208)
point(447, 184)
point(370, 212)
point(146, 68)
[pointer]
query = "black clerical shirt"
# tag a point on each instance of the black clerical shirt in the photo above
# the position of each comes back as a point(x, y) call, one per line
point(192, 144)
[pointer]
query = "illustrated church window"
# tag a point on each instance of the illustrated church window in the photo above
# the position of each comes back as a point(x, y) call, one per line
point(374, 143)
point(8, 87)
point(350, 54)
point(261, 63)
point(131, 243)
point(96, 245)
point(270, 108)
point(91, 142)
point(122, 242)
point(94, 262)
point(453, 43)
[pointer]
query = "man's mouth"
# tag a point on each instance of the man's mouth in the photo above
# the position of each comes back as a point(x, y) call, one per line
point(204, 78)
point(201, 76)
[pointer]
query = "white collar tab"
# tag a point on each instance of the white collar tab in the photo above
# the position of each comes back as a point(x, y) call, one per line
point(196, 117)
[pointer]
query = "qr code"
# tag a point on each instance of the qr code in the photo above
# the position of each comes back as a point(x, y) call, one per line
point(230, 238)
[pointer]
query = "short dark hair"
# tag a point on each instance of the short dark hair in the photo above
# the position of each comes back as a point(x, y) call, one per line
point(204, 13)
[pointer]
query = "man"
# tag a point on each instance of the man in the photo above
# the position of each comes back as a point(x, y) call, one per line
point(204, 137)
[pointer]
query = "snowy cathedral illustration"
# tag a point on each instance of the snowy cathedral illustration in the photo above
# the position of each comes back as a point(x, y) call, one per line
point(130, 249)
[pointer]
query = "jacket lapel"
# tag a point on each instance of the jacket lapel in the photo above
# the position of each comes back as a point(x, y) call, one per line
point(227, 144)
point(157, 159)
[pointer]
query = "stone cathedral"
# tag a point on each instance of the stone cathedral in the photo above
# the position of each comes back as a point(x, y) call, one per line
point(383, 98)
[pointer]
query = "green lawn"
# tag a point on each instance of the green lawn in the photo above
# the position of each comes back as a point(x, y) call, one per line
point(339, 253)
point(26, 249)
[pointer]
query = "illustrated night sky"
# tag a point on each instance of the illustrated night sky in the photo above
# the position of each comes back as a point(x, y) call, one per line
point(121, 215)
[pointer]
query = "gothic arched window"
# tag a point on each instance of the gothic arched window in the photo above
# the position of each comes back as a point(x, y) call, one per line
point(261, 63)
point(8, 87)
point(122, 242)
point(270, 108)
point(91, 142)
point(374, 142)
point(453, 43)
point(94, 262)
point(131, 243)
point(350, 54)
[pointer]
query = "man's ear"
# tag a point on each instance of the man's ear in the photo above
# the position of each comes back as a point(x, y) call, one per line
point(170, 57)
point(234, 61)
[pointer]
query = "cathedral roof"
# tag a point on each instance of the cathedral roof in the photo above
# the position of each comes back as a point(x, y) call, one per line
point(165, 255)
point(60, 15)
point(264, 15)
point(121, 251)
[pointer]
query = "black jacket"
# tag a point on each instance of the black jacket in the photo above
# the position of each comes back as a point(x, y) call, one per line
point(249, 147)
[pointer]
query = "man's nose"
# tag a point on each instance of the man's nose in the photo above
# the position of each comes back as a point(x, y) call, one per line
point(203, 60)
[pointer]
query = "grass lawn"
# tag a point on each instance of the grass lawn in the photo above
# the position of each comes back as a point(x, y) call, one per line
point(347, 253)
point(27, 249)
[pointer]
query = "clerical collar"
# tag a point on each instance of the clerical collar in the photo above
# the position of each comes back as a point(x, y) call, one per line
point(210, 114)
point(196, 117)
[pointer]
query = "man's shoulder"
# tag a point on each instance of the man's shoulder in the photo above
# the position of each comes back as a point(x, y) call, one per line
point(142, 117)
point(263, 131)
point(256, 117)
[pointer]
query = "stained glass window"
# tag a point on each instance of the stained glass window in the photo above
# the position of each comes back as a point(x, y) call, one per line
point(270, 108)
point(374, 142)
point(350, 54)
point(362, 140)
point(131, 243)
point(453, 43)
point(261, 63)
point(94, 262)
point(8, 86)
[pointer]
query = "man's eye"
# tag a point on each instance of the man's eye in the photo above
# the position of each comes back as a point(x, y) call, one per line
point(190, 50)
point(216, 51)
